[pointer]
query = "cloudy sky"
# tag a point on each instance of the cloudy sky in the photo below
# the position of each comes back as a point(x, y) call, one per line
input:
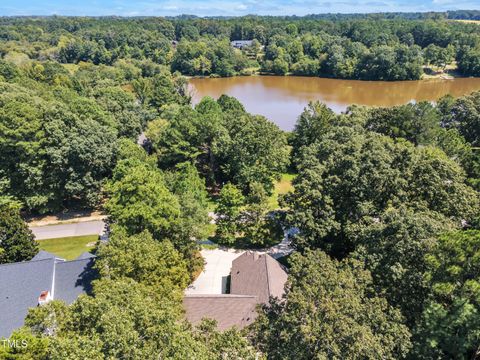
point(226, 7)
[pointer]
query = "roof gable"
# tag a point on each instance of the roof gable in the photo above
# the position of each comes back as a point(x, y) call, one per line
point(257, 274)
point(42, 255)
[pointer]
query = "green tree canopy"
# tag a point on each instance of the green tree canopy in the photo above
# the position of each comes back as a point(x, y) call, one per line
point(330, 311)
point(228, 210)
point(225, 143)
point(393, 248)
point(143, 259)
point(17, 242)
point(351, 174)
point(450, 323)
point(140, 200)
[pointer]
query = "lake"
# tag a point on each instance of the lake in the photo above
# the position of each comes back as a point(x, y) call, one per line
point(282, 98)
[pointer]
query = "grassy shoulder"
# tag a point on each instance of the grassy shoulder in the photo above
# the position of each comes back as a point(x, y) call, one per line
point(69, 248)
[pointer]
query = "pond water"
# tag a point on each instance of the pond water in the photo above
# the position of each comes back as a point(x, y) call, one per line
point(282, 98)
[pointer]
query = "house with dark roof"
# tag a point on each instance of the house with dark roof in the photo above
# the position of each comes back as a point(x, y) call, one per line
point(254, 279)
point(44, 278)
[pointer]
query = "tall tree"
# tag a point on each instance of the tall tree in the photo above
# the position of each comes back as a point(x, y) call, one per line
point(17, 242)
point(142, 258)
point(259, 226)
point(330, 311)
point(450, 324)
point(314, 122)
point(393, 248)
point(140, 200)
point(228, 209)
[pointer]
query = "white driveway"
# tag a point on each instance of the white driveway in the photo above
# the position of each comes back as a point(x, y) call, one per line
point(213, 279)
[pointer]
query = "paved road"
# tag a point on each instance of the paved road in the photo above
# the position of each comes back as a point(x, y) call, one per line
point(66, 230)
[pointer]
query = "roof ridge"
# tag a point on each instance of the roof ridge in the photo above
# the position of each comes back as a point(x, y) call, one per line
point(273, 262)
point(26, 262)
point(74, 260)
point(268, 275)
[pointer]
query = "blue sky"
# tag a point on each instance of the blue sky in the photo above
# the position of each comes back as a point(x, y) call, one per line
point(226, 7)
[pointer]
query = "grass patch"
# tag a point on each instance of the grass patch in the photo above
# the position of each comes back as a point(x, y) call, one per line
point(69, 248)
point(283, 186)
point(209, 246)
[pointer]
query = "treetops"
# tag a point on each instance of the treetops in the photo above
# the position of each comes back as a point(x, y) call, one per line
point(380, 47)
point(225, 143)
point(394, 189)
point(59, 130)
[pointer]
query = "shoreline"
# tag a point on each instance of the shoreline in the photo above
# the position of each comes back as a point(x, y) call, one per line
point(425, 77)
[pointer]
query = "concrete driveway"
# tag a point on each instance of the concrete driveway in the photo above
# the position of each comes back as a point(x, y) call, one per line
point(213, 279)
point(67, 230)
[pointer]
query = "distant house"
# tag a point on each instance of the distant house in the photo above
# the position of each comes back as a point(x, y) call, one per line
point(240, 44)
point(254, 279)
point(44, 278)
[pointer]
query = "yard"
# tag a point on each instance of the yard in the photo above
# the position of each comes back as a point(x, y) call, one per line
point(283, 186)
point(69, 247)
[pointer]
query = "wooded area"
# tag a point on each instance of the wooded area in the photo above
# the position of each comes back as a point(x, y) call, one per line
point(385, 200)
point(374, 47)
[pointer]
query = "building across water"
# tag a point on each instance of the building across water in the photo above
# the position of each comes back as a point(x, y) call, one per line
point(240, 44)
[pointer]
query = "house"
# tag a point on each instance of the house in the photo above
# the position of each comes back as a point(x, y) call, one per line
point(240, 44)
point(254, 279)
point(36, 282)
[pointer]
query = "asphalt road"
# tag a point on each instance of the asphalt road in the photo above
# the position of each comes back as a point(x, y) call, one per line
point(67, 230)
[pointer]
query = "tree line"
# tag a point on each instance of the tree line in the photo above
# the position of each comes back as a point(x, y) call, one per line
point(370, 47)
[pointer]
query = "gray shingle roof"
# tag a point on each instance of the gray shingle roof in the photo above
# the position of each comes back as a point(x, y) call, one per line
point(20, 287)
point(85, 255)
point(257, 274)
point(227, 310)
point(42, 255)
point(73, 278)
point(22, 283)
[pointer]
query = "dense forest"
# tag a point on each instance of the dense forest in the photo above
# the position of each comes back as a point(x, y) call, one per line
point(386, 200)
point(374, 47)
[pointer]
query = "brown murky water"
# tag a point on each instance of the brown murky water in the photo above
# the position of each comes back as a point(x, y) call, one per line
point(282, 98)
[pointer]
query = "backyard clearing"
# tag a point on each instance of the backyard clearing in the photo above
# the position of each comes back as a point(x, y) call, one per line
point(283, 186)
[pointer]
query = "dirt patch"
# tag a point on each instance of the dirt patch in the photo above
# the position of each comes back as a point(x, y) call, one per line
point(66, 217)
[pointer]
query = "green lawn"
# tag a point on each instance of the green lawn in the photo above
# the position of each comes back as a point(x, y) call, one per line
point(283, 186)
point(69, 247)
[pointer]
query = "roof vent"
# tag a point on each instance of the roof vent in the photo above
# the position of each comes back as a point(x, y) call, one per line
point(44, 297)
